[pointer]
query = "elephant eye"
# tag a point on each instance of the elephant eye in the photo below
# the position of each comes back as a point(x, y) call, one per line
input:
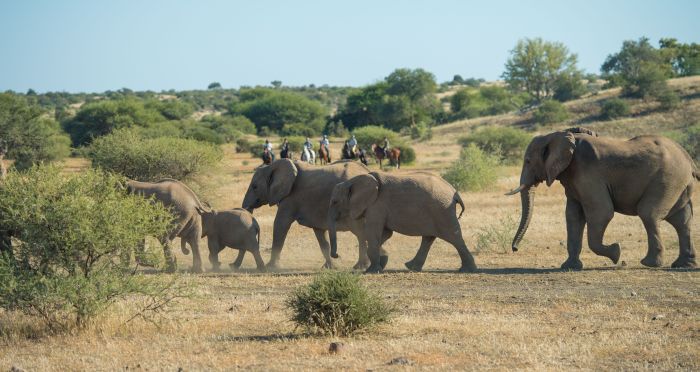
point(255, 187)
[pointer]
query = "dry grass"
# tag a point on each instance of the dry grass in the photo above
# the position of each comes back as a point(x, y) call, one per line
point(518, 311)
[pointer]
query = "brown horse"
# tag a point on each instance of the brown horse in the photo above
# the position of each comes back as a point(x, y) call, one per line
point(394, 156)
point(267, 157)
point(324, 155)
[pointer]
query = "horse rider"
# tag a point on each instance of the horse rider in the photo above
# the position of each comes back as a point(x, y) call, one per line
point(346, 150)
point(308, 144)
point(352, 144)
point(386, 148)
point(324, 143)
point(284, 149)
point(267, 146)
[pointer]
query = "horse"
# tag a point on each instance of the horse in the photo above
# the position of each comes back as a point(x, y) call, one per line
point(267, 157)
point(360, 154)
point(324, 155)
point(285, 154)
point(308, 156)
point(394, 155)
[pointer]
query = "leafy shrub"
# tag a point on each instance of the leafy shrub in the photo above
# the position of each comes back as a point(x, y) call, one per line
point(497, 237)
point(614, 108)
point(408, 154)
point(238, 123)
point(300, 129)
point(508, 143)
point(690, 140)
point(336, 303)
point(475, 170)
point(668, 100)
point(274, 108)
point(296, 143)
point(245, 145)
point(28, 136)
point(171, 109)
point(550, 112)
point(151, 159)
point(77, 232)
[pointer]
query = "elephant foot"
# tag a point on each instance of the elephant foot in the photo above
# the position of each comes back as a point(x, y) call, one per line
point(373, 269)
point(361, 265)
point(215, 268)
point(652, 261)
point(196, 270)
point(614, 253)
point(235, 266)
point(328, 265)
point(684, 263)
point(572, 264)
point(262, 269)
point(467, 269)
point(383, 260)
point(414, 266)
point(185, 251)
point(273, 265)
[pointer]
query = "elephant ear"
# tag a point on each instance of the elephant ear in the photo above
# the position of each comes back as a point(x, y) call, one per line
point(282, 175)
point(363, 191)
point(558, 154)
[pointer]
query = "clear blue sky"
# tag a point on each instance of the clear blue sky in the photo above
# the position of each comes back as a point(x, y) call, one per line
point(92, 46)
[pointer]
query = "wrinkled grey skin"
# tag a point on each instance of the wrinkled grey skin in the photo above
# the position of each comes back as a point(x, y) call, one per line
point(647, 176)
point(302, 193)
point(188, 223)
point(419, 204)
point(235, 228)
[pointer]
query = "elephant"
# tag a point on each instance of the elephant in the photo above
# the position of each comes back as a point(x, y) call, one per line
point(647, 176)
point(302, 193)
point(184, 203)
point(235, 228)
point(419, 204)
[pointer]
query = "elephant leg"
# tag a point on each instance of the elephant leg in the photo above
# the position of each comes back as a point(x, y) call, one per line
point(575, 222)
point(362, 259)
point(654, 257)
point(283, 221)
point(416, 264)
point(597, 220)
point(373, 251)
point(235, 265)
point(193, 240)
point(214, 249)
point(325, 247)
point(383, 255)
point(258, 260)
point(681, 221)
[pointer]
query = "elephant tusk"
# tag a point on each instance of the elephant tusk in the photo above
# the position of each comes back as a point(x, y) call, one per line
point(515, 191)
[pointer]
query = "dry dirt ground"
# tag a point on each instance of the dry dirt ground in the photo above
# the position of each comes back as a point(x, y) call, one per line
point(519, 311)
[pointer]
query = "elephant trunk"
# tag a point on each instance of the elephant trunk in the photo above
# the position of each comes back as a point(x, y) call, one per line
point(527, 197)
point(332, 216)
point(250, 201)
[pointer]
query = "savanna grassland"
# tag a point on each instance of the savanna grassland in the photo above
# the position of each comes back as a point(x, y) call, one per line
point(518, 311)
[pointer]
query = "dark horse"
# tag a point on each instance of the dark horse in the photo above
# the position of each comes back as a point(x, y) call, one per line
point(324, 155)
point(267, 157)
point(285, 153)
point(394, 156)
point(360, 154)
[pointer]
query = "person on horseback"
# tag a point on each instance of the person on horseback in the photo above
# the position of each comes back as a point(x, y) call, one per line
point(324, 143)
point(386, 147)
point(308, 144)
point(346, 151)
point(284, 149)
point(352, 144)
point(267, 148)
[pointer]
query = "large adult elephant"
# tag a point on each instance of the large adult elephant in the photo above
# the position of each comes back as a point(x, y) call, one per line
point(185, 205)
point(419, 204)
point(302, 193)
point(647, 176)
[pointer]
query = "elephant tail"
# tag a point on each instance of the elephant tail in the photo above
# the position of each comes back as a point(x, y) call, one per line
point(257, 231)
point(696, 173)
point(459, 201)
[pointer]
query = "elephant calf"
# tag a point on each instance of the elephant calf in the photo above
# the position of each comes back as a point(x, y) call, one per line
point(235, 228)
point(420, 204)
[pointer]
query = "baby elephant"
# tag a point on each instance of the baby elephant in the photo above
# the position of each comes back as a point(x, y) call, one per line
point(419, 204)
point(235, 228)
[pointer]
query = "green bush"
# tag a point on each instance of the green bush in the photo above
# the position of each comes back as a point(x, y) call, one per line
point(668, 100)
point(508, 143)
point(408, 154)
point(272, 109)
point(690, 140)
point(551, 112)
point(296, 143)
point(77, 233)
point(336, 303)
point(300, 129)
point(614, 108)
point(475, 170)
point(497, 237)
point(151, 159)
point(245, 145)
point(28, 135)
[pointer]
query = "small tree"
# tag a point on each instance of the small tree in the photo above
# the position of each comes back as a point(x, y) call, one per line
point(474, 171)
point(77, 232)
point(614, 108)
point(214, 85)
point(638, 67)
point(507, 143)
point(550, 112)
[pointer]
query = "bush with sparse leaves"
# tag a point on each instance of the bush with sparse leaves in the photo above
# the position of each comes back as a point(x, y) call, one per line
point(336, 303)
point(550, 112)
point(506, 142)
point(475, 170)
point(77, 232)
point(614, 108)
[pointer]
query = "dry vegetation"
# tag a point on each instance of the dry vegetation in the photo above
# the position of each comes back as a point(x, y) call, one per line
point(518, 311)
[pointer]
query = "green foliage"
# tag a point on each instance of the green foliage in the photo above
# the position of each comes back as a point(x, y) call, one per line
point(614, 108)
point(506, 142)
point(77, 232)
point(668, 100)
point(475, 170)
point(374, 135)
point(151, 159)
point(273, 109)
point(296, 143)
point(541, 67)
point(639, 68)
point(420, 131)
point(245, 145)
point(683, 58)
point(492, 100)
point(569, 86)
point(408, 154)
point(550, 112)
point(171, 109)
point(214, 85)
point(27, 134)
point(498, 236)
point(300, 129)
point(336, 303)
point(102, 117)
point(690, 140)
